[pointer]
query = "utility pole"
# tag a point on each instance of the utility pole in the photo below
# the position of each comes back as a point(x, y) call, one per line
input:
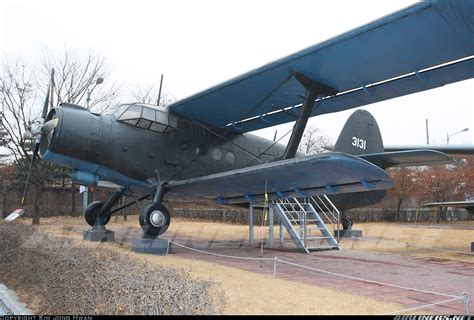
point(427, 133)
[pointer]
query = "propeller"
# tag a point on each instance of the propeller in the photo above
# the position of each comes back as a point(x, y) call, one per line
point(35, 132)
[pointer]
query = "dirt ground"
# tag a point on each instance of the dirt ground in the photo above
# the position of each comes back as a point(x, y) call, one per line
point(447, 240)
point(251, 293)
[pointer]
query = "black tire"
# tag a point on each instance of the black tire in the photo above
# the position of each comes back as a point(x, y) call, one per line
point(92, 211)
point(346, 222)
point(150, 228)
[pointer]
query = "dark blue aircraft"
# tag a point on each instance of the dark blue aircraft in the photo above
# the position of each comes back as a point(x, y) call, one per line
point(200, 146)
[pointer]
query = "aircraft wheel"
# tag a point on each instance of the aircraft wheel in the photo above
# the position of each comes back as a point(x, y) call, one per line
point(347, 223)
point(154, 219)
point(92, 212)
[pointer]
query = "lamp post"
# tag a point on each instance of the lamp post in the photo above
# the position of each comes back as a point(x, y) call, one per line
point(85, 197)
point(450, 135)
point(88, 98)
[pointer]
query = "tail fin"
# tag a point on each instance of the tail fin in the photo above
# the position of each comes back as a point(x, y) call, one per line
point(360, 135)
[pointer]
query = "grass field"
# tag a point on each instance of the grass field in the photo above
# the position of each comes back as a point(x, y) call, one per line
point(250, 293)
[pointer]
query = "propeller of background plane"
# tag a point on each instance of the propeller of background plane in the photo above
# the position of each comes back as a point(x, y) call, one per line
point(37, 130)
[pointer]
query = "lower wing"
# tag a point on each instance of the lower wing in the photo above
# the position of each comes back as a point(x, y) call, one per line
point(329, 173)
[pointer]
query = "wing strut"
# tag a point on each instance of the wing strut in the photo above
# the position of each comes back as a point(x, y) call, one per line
point(314, 90)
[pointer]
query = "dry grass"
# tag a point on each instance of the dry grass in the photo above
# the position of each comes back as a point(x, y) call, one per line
point(61, 276)
point(422, 239)
point(250, 293)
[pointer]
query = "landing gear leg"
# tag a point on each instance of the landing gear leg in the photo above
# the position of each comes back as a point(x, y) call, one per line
point(154, 217)
point(98, 214)
point(346, 222)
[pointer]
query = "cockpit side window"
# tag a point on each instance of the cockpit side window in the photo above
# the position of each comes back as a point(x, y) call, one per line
point(120, 110)
point(133, 112)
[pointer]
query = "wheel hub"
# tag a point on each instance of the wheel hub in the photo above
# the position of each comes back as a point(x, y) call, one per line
point(157, 218)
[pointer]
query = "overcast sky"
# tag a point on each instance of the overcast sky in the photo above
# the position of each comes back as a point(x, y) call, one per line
point(197, 44)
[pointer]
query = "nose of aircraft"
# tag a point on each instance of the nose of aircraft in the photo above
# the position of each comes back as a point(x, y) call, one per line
point(47, 130)
point(73, 131)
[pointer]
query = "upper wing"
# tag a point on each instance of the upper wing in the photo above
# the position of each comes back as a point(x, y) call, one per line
point(408, 158)
point(424, 46)
point(318, 174)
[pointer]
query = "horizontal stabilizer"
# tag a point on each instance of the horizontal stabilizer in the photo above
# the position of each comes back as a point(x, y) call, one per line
point(446, 148)
point(468, 205)
point(462, 204)
point(329, 173)
point(409, 158)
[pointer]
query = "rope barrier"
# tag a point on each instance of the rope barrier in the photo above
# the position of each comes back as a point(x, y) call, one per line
point(423, 307)
point(368, 281)
point(318, 270)
point(465, 296)
point(219, 255)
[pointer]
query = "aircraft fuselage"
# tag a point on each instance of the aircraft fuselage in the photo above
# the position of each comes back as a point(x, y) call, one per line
point(100, 146)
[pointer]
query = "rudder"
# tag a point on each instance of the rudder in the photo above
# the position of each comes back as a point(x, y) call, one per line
point(360, 135)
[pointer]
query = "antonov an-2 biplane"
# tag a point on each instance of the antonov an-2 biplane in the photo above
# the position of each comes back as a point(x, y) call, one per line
point(200, 146)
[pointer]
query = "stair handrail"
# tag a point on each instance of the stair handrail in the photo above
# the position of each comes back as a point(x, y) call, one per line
point(335, 217)
point(303, 229)
point(338, 218)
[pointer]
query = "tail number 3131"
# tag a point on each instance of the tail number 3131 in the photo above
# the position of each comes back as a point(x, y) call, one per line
point(359, 143)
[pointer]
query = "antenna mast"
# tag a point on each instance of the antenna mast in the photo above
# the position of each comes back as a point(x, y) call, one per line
point(159, 93)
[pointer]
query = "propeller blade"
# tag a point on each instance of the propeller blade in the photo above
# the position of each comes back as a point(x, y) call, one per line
point(50, 125)
point(46, 101)
point(46, 104)
point(47, 127)
point(32, 166)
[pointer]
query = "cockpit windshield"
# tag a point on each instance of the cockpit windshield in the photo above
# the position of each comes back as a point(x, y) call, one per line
point(147, 117)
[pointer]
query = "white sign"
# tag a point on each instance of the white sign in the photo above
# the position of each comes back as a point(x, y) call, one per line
point(15, 214)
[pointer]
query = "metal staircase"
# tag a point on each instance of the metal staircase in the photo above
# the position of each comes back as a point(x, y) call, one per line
point(307, 219)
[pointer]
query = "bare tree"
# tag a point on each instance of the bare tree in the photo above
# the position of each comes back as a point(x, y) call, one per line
point(85, 81)
point(149, 95)
point(314, 141)
point(18, 92)
point(404, 180)
point(441, 184)
point(21, 97)
point(77, 78)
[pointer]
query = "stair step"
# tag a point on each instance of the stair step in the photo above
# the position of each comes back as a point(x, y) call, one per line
point(322, 247)
point(318, 221)
point(317, 238)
